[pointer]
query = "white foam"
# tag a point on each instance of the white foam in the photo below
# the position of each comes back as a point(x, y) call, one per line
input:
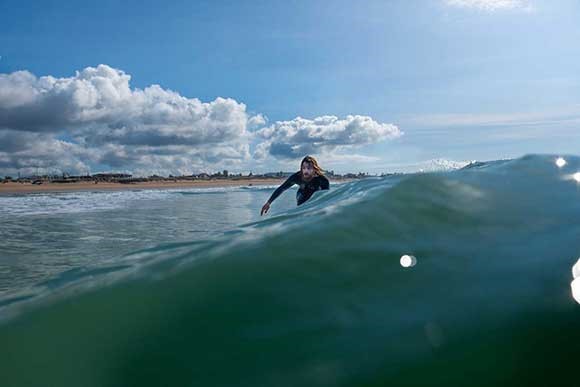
point(89, 201)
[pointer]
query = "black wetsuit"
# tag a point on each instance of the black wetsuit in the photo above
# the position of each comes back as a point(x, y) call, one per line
point(306, 188)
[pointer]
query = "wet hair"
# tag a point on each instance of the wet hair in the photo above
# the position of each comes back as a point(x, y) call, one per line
point(315, 166)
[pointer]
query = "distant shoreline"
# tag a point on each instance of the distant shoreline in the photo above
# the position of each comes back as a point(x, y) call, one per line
point(14, 187)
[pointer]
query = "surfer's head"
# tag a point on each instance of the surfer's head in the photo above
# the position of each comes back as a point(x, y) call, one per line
point(309, 168)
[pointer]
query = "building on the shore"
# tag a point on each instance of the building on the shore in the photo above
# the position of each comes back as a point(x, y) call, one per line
point(128, 178)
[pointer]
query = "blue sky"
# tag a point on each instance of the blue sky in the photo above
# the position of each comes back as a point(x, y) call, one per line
point(460, 79)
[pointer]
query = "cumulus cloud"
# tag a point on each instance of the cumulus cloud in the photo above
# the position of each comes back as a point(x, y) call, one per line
point(32, 152)
point(257, 121)
point(101, 99)
point(301, 136)
point(491, 5)
point(95, 118)
point(114, 124)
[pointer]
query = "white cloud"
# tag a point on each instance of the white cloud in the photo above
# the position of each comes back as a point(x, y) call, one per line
point(95, 117)
point(325, 134)
point(257, 120)
point(491, 5)
point(40, 152)
point(100, 99)
point(114, 124)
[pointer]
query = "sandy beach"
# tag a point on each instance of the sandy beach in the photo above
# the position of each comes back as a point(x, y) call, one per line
point(13, 187)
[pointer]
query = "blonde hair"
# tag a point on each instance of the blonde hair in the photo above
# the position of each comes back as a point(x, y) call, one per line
point(315, 166)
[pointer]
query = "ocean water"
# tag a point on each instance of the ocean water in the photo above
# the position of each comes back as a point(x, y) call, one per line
point(50, 237)
point(194, 288)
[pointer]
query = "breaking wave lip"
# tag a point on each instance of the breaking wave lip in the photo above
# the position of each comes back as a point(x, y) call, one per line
point(443, 165)
point(432, 165)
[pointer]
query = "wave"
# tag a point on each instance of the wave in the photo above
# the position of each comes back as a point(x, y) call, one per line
point(30, 204)
point(317, 295)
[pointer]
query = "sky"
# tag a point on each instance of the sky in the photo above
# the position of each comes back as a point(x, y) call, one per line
point(201, 86)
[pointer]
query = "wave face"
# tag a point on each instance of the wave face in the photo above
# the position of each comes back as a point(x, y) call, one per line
point(317, 296)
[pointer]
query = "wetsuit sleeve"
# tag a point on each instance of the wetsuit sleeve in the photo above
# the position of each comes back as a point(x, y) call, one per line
point(287, 184)
point(324, 183)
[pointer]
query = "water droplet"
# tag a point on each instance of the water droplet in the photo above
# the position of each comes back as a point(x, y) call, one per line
point(575, 285)
point(408, 260)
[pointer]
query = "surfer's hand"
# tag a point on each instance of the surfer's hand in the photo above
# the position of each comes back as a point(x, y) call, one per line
point(265, 208)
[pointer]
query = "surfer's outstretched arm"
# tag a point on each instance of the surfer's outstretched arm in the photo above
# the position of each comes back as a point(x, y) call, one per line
point(287, 184)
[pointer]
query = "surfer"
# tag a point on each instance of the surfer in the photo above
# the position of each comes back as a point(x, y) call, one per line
point(310, 178)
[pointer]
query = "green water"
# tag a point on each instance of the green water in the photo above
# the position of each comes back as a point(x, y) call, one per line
point(316, 296)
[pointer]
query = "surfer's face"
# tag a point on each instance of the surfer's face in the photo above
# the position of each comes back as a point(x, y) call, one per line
point(307, 171)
